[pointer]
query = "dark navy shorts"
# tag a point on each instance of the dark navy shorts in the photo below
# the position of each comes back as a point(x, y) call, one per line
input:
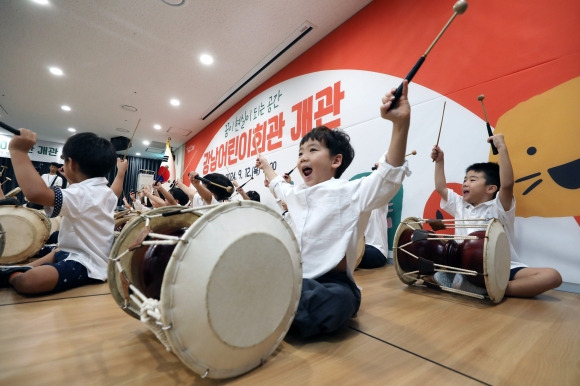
point(513, 272)
point(71, 274)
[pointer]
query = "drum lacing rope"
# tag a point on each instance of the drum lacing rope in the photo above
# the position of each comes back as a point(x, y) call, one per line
point(455, 223)
point(150, 315)
point(148, 309)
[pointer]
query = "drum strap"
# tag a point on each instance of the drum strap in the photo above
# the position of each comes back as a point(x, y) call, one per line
point(426, 267)
point(138, 242)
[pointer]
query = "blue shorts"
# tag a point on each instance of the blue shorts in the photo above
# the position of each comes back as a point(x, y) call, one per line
point(71, 274)
point(513, 272)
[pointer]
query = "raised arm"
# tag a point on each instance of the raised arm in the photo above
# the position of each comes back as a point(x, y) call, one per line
point(202, 190)
point(440, 180)
point(153, 198)
point(401, 118)
point(186, 189)
point(506, 172)
point(169, 199)
point(117, 185)
point(28, 178)
point(262, 163)
point(240, 190)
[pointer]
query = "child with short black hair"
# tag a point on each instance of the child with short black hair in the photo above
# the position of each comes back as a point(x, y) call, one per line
point(213, 189)
point(330, 215)
point(87, 209)
point(488, 193)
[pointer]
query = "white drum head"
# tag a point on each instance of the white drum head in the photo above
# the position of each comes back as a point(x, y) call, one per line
point(25, 232)
point(230, 293)
point(408, 223)
point(496, 259)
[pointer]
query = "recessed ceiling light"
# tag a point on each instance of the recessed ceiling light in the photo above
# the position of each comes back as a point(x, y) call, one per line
point(157, 127)
point(137, 153)
point(146, 143)
point(175, 102)
point(206, 59)
point(55, 71)
point(65, 108)
point(72, 129)
point(41, 2)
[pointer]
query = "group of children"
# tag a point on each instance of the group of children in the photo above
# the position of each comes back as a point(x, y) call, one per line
point(329, 214)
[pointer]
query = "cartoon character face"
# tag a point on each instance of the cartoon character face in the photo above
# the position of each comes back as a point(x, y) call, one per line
point(543, 139)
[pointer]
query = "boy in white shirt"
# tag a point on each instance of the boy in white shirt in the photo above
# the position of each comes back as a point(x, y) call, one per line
point(51, 178)
point(87, 209)
point(327, 216)
point(488, 193)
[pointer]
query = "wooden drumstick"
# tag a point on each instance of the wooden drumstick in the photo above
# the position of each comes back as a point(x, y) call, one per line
point(489, 132)
point(440, 125)
point(290, 172)
point(6, 180)
point(227, 188)
point(244, 184)
point(131, 140)
point(9, 128)
point(458, 9)
point(414, 152)
point(189, 163)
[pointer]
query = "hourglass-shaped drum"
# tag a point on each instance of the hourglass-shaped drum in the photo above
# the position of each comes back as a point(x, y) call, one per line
point(483, 257)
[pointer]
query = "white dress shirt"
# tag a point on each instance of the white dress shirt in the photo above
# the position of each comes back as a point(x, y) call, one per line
point(87, 227)
point(330, 217)
point(460, 209)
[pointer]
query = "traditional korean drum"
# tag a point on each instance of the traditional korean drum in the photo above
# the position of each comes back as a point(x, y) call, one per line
point(219, 288)
point(483, 257)
point(25, 231)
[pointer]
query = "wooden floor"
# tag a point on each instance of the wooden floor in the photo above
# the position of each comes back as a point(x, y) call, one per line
point(401, 336)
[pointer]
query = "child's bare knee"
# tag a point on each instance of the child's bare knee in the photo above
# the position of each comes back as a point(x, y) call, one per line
point(22, 283)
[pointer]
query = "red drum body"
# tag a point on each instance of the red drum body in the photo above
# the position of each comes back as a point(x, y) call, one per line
point(483, 257)
point(150, 262)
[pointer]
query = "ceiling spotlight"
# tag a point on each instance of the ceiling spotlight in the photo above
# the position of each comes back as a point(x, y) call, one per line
point(206, 59)
point(137, 153)
point(72, 129)
point(175, 102)
point(56, 71)
point(146, 143)
point(41, 2)
point(157, 127)
point(65, 108)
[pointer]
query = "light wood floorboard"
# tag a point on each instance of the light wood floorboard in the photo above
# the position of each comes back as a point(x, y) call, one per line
point(401, 336)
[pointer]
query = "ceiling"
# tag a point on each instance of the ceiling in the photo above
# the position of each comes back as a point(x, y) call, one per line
point(124, 60)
